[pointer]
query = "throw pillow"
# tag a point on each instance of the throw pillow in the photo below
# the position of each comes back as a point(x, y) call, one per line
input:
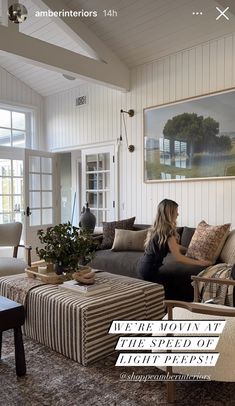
point(228, 252)
point(109, 230)
point(216, 293)
point(126, 240)
point(207, 241)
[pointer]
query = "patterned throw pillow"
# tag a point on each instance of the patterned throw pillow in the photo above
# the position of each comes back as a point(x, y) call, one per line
point(109, 230)
point(220, 293)
point(207, 241)
point(127, 240)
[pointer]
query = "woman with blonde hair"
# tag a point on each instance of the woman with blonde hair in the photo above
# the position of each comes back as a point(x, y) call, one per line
point(162, 238)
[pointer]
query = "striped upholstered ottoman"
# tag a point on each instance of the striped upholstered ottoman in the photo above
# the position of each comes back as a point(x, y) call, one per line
point(76, 325)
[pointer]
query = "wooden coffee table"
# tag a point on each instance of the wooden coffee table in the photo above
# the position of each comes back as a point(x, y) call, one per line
point(12, 316)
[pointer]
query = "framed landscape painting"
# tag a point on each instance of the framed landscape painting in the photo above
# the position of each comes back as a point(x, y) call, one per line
point(191, 139)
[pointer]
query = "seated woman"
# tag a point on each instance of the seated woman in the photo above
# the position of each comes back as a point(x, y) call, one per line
point(161, 239)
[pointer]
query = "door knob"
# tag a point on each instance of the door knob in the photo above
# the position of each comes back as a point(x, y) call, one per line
point(28, 212)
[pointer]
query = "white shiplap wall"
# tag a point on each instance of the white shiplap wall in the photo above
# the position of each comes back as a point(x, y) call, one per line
point(16, 93)
point(206, 68)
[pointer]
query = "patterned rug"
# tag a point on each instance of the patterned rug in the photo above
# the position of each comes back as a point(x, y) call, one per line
point(53, 380)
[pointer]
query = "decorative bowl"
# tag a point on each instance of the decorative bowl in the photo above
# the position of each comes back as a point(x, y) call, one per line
point(84, 275)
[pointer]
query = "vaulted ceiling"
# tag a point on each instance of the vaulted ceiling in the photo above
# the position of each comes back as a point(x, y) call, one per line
point(120, 35)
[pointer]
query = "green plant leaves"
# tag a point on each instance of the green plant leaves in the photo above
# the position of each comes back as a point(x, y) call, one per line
point(66, 245)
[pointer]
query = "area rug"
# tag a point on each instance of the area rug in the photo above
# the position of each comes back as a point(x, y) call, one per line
point(53, 380)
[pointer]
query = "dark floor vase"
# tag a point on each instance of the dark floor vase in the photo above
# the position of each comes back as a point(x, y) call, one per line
point(87, 220)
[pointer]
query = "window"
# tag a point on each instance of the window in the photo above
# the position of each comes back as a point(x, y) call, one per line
point(14, 126)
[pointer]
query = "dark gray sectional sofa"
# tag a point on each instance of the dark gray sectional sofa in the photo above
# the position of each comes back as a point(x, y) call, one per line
point(174, 276)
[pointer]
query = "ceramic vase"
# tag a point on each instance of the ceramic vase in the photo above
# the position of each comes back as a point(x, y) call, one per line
point(87, 220)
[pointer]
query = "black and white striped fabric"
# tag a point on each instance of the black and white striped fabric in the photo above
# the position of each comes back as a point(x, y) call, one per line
point(76, 325)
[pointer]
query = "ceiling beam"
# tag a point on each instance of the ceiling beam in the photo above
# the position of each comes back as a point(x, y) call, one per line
point(81, 33)
point(76, 29)
point(52, 57)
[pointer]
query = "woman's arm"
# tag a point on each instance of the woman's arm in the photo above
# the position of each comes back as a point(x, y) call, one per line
point(182, 249)
point(175, 250)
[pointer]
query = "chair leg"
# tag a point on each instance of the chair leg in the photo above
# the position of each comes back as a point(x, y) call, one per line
point(19, 352)
point(170, 387)
point(170, 392)
point(0, 344)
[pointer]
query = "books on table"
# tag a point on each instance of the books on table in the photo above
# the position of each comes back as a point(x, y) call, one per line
point(99, 286)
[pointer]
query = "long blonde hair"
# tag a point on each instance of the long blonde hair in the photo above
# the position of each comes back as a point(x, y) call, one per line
point(164, 224)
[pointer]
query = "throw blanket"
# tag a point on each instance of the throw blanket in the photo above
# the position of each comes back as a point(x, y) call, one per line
point(18, 287)
point(221, 294)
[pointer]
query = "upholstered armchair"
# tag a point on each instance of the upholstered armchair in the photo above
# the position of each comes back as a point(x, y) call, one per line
point(10, 234)
point(178, 310)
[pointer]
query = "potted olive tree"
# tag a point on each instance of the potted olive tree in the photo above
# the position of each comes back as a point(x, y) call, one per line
point(66, 247)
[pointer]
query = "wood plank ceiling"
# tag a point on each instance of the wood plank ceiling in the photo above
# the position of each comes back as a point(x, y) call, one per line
point(139, 31)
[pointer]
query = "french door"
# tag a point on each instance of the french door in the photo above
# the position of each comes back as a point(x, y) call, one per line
point(98, 182)
point(11, 184)
point(41, 194)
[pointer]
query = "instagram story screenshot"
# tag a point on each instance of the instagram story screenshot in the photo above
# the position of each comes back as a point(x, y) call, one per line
point(117, 191)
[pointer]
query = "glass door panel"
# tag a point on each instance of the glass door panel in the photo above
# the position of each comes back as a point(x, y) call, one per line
point(34, 199)
point(6, 185)
point(34, 181)
point(97, 188)
point(47, 199)
point(46, 165)
point(47, 216)
point(46, 182)
point(41, 201)
point(91, 163)
point(11, 190)
point(103, 162)
point(91, 198)
point(18, 168)
point(91, 181)
point(34, 164)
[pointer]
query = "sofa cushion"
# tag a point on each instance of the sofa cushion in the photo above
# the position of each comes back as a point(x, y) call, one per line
point(117, 262)
point(138, 227)
point(109, 230)
point(187, 235)
point(127, 240)
point(11, 266)
point(227, 254)
point(207, 241)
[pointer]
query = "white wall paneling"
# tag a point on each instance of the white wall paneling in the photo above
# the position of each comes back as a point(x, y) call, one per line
point(205, 68)
point(16, 93)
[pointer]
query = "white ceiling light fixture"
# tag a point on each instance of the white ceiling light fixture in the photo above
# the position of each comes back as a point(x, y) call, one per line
point(68, 77)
